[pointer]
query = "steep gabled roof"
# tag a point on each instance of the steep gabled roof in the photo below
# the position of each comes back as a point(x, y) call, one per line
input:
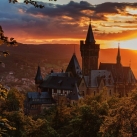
point(90, 36)
point(57, 82)
point(35, 95)
point(38, 78)
point(39, 98)
point(60, 74)
point(120, 73)
point(74, 67)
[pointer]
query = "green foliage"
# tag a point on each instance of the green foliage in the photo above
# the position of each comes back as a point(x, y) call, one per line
point(90, 117)
point(14, 101)
point(28, 127)
point(5, 127)
point(121, 120)
point(83, 119)
point(3, 92)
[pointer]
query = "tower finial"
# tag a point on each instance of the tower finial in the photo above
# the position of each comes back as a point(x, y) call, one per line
point(90, 36)
point(118, 44)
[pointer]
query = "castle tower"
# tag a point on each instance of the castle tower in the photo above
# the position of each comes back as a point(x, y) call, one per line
point(118, 59)
point(38, 78)
point(89, 52)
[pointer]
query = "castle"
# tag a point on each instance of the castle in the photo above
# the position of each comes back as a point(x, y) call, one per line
point(69, 86)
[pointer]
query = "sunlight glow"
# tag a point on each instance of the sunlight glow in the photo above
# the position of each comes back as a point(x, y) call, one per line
point(131, 10)
point(126, 44)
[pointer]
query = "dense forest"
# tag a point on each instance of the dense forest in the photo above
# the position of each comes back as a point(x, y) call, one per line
point(89, 117)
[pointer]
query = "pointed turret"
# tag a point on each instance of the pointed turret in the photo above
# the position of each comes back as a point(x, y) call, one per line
point(90, 36)
point(74, 67)
point(38, 78)
point(118, 56)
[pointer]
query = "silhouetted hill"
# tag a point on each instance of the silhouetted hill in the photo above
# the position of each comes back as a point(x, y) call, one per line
point(24, 59)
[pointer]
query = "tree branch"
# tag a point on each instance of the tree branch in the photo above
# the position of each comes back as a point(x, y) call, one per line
point(34, 3)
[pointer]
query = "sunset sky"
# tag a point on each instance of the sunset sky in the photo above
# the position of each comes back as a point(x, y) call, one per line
point(67, 21)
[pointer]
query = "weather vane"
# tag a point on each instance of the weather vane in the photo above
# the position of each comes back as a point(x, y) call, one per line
point(118, 43)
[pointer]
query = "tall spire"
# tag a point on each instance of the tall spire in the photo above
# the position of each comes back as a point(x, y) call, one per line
point(38, 78)
point(118, 55)
point(90, 36)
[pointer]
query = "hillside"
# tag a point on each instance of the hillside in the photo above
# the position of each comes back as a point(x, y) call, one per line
point(24, 59)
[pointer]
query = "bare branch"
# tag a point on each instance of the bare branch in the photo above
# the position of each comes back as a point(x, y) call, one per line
point(34, 3)
point(4, 39)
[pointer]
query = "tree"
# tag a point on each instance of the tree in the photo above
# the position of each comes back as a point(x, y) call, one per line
point(40, 128)
point(14, 101)
point(34, 3)
point(5, 127)
point(8, 42)
point(82, 119)
point(88, 122)
point(3, 92)
point(122, 117)
point(27, 126)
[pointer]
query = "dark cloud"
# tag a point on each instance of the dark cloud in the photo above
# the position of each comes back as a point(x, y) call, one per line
point(71, 9)
point(108, 7)
point(124, 35)
point(113, 7)
point(58, 21)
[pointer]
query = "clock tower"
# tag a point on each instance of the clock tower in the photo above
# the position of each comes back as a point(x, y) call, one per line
point(89, 53)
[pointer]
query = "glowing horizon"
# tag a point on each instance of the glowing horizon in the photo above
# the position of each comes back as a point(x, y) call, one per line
point(60, 23)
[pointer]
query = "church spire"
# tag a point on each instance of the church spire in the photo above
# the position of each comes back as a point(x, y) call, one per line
point(90, 36)
point(118, 55)
point(38, 78)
